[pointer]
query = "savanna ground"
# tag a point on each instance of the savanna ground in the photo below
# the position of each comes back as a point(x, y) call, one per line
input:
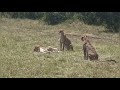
point(17, 59)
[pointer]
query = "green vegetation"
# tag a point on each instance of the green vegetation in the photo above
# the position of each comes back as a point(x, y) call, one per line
point(19, 36)
point(110, 20)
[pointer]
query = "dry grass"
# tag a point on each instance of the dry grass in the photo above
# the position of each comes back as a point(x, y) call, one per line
point(17, 59)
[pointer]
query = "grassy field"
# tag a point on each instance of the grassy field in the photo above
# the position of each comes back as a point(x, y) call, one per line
point(17, 59)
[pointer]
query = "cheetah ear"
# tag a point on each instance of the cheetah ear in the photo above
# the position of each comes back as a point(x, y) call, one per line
point(86, 37)
point(82, 38)
point(61, 30)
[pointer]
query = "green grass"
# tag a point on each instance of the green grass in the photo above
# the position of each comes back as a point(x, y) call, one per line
point(17, 59)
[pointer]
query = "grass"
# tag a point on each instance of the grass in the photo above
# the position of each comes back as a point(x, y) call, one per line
point(17, 59)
